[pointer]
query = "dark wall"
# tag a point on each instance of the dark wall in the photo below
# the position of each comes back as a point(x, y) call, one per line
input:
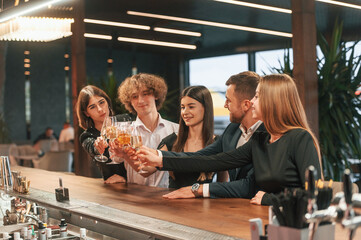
point(48, 80)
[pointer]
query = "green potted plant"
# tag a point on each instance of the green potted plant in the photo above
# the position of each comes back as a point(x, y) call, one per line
point(339, 76)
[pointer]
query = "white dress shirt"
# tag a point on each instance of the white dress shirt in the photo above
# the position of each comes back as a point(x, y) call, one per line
point(66, 134)
point(152, 140)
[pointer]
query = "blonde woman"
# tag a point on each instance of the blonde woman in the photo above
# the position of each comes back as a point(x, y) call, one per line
point(280, 156)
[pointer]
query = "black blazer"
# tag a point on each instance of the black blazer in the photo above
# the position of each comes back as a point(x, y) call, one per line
point(242, 183)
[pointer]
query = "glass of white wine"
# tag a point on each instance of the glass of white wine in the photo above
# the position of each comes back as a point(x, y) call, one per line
point(103, 135)
point(136, 142)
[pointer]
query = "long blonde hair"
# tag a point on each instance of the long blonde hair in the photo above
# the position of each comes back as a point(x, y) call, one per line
point(281, 107)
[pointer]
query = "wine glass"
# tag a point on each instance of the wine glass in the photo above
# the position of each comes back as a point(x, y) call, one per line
point(122, 134)
point(136, 143)
point(103, 135)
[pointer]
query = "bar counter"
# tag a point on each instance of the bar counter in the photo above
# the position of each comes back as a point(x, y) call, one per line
point(118, 204)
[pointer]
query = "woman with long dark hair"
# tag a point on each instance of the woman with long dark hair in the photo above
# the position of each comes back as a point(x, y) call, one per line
point(195, 132)
point(92, 107)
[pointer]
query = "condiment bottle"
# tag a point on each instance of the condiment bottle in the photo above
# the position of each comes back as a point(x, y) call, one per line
point(63, 228)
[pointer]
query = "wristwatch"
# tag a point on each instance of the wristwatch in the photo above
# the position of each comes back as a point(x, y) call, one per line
point(195, 188)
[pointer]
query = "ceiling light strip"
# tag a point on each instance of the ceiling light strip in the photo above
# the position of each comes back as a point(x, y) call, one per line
point(341, 3)
point(176, 31)
point(259, 6)
point(141, 41)
point(29, 9)
point(116, 24)
point(98, 36)
point(213, 24)
point(157, 43)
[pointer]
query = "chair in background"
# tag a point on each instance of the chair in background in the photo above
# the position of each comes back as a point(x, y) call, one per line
point(23, 154)
point(66, 146)
point(5, 151)
point(47, 145)
point(60, 161)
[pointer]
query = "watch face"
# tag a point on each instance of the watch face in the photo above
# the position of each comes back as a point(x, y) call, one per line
point(195, 187)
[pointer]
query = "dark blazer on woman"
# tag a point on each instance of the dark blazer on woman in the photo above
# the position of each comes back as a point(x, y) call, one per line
point(242, 183)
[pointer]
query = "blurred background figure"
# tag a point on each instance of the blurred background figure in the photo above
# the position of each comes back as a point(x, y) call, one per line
point(48, 134)
point(67, 133)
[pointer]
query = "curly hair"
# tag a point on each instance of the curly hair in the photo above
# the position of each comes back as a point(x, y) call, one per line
point(154, 83)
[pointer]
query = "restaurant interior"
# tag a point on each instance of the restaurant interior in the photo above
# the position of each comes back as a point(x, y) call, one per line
point(51, 49)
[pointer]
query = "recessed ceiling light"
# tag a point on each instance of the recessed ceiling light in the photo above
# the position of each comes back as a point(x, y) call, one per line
point(341, 4)
point(209, 23)
point(141, 41)
point(29, 8)
point(176, 31)
point(117, 24)
point(98, 36)
point(157, 43)
point(254, 5)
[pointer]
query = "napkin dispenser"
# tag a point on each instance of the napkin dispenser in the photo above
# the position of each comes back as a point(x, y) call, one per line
point(61, 193)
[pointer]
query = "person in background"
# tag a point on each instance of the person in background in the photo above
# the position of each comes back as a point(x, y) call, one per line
point(92, 107)
point(67, 133)
point(195, 132)
point(143, 94)
point(48, 134)
point(280, 156)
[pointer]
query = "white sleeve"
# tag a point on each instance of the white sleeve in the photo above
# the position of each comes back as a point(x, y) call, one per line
point(206, 190)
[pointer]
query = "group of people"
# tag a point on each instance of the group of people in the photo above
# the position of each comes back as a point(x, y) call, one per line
point(267, 146)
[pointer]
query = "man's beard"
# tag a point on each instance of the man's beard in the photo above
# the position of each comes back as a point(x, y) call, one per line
point(234, 119)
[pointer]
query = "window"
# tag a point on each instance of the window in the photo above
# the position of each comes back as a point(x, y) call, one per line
point(213, 74)
point(267, 60)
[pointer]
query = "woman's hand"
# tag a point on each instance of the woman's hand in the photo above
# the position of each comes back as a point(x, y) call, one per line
point(100, 144)
point(149, 158)
point(115, 179)
point(116, 150)
point(257, 199)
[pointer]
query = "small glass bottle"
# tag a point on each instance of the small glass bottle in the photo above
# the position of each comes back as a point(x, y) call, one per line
point(29, 235)
point(6, 235)
point(49, 234)
point(63, 228)
point(41, 231)
point(82, 233)
point(17, 236)
point(24, 232)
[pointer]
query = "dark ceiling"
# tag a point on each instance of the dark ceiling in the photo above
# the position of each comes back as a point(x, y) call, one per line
point(214, 40)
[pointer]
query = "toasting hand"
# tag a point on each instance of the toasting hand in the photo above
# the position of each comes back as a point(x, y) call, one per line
point(100, 144)
point(149, 157)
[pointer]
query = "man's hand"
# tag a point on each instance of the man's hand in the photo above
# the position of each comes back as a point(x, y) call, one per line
point(257, 199)
point(115, 179)
point(184, 192)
